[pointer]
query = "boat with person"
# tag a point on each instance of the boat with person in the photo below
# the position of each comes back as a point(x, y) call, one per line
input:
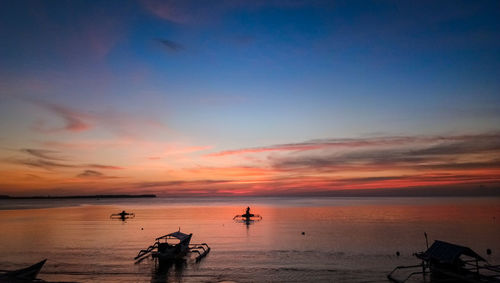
point(247, 217)
point(174, 247)
point(122, 215)
point(27, 274)
point(447, 262)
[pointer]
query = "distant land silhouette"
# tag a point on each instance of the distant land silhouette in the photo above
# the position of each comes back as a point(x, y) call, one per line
point(77, 197)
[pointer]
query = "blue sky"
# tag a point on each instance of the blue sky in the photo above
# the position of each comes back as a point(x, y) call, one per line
point(228, 75)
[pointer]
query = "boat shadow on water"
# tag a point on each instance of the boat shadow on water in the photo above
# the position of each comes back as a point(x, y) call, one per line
point(166, 271)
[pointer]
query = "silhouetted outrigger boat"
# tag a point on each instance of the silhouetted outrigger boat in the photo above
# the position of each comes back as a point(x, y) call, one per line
point(27, 274)
point(247, 217)
point(174, 247)
point(122, 215)
point(446, 262)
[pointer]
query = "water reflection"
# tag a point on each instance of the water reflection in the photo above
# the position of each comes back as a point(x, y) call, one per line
point(356, 238)
point(168, 271)
point(247, 222)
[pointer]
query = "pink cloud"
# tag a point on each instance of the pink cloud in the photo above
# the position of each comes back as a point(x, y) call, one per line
point(174, 11)
point(122, 124)
point(73, 120)
point(356, 143)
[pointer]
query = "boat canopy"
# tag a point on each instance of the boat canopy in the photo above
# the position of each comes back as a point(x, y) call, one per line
point(178, 235)
point(447, 253)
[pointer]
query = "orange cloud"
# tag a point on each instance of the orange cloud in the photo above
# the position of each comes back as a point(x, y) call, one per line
point(294, 169)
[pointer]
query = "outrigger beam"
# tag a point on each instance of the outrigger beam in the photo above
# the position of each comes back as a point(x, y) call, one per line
point(143, 253)
point(201, 249)
point(254, 216)
point(390, 277)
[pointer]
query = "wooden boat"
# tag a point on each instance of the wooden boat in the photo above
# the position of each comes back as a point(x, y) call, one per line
point(247, 217)
point(27, 274)
point(122, 215)
point(174, 247)
point(446, 262)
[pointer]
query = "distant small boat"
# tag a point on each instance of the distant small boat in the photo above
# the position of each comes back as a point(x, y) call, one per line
point(247, 217)
point(122, 215)
point(173, 247)
point(27, 274)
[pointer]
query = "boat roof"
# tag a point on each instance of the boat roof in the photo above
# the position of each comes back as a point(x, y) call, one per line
point(448, 253)
point(178, 235)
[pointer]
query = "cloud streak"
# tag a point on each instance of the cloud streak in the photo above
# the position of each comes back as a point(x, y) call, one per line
point(73, 120)
point(313, 167)
point(367, 163)
point(93, 174)
point(453, 152)
point(42, 153)
point(328, 144)
point(49, 160)
point(90, 174)
point(435, 144)
point(170, 45)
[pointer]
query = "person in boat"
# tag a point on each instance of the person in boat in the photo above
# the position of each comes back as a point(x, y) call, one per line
point(124, 215)
point(247, 213)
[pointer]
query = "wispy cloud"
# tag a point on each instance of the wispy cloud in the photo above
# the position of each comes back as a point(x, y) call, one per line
point(366, 163)
point(90, 174)
point(42, 163)
point(170, 45)
point(184, 12)
point(101, 166)
point(445, 143)
point(42, 153)
point(49, 160)
point(452, 152)
point(74, 121)
point(180, 183)
point(93, 174)
point(190, 11)
point(316, 166)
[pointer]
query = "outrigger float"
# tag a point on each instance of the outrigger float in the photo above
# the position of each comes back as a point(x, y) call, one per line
point(446, 262)
point(247, 217)
point(174, 247)
point(27, 274)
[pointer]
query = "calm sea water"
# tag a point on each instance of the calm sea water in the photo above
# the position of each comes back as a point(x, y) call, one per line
point(346, 239)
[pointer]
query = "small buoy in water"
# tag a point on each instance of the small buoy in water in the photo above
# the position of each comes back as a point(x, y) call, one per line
point(303, 233)
point(397, 253)
point(488, 251)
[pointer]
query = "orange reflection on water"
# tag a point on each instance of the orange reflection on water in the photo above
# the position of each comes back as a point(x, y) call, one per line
point(337, 232)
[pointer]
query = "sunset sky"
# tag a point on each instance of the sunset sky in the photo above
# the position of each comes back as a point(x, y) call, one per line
point(240, 97)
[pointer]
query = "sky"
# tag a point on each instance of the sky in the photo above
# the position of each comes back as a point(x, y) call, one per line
point(263, 97)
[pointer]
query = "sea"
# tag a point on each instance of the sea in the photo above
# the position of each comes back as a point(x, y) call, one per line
point(298, 239)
